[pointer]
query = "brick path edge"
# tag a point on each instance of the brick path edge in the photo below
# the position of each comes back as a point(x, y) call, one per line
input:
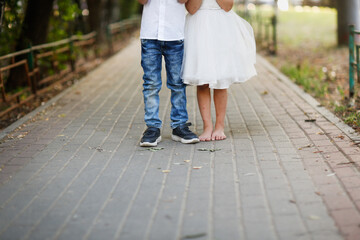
point(346, 129)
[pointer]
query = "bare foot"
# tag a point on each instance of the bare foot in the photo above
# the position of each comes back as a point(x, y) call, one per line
point(218, 134)
point(206, 135)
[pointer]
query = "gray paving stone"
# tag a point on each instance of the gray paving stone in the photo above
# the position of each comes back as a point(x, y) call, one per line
point(253, 233)
point(89, 179)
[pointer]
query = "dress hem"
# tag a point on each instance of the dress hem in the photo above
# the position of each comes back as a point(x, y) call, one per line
point(219, 84)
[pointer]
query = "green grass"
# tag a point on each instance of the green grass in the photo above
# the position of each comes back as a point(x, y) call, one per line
point(353, 119)
point(349, 115)
point(340, 110)
point(312, 29)
point(297, 29)
point(307, 76)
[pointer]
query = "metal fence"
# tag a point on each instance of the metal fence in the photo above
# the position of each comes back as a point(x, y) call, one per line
point(354, 59)
point(265, 30)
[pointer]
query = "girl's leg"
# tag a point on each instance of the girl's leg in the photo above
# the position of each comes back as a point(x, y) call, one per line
point(204, 101)
point(220, 100)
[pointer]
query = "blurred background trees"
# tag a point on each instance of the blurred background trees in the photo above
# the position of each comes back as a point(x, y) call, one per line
point(34, 22)
point(27, 23)
point(39, 21)
point(347, 12)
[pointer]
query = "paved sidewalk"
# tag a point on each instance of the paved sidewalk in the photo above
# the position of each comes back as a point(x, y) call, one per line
point(76, 171)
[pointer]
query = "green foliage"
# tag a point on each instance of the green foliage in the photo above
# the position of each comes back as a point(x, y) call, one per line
point(353, 119)
point(63, 61)
point(11, 26)
point(128, 8)
point(307, 76)
point(341, 92)
point(61, 23)
point(63, 20)
point(340, 109)
point(349, 114)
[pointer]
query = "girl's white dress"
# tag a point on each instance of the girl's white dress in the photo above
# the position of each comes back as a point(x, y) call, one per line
point(219, 48)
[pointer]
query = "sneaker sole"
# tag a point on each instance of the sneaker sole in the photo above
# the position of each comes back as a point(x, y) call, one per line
point(150, 144)
point(185, 141)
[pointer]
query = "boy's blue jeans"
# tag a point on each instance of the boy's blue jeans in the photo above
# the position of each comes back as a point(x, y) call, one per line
point(151, 61)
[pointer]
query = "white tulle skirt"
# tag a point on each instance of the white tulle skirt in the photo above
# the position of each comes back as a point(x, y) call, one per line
point(219, 49)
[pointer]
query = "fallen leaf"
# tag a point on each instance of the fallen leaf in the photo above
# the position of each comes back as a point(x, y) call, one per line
point(166, 171)
point(264, 92)
point(192, 236)
point(331, 174)
point(187, 161)
point(197, 167)
point(346, 163)
point(20, 136)
point(320, 133)
point(214, 150)
point(208, 150)
point(249, 174)
point(98, 148)
point(314, 217)
point(292, 201)
point(340, 136)
point(306, 146)
point(62, 115)
point(155, 149)
point(203, 149)
point(318, 152)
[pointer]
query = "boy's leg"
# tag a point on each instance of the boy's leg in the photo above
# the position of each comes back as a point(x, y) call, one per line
point(173, 52)
point(151, 58)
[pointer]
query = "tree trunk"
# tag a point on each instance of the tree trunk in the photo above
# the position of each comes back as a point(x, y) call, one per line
point(80, 24)
point(34, 31)
point(36, 23)
point(95, 18)
point(307, 3)
point(111, 11)
point(348, 14)
point(2, 10)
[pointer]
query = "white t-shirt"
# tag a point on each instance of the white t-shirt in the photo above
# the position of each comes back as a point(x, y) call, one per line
point(163, 20)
